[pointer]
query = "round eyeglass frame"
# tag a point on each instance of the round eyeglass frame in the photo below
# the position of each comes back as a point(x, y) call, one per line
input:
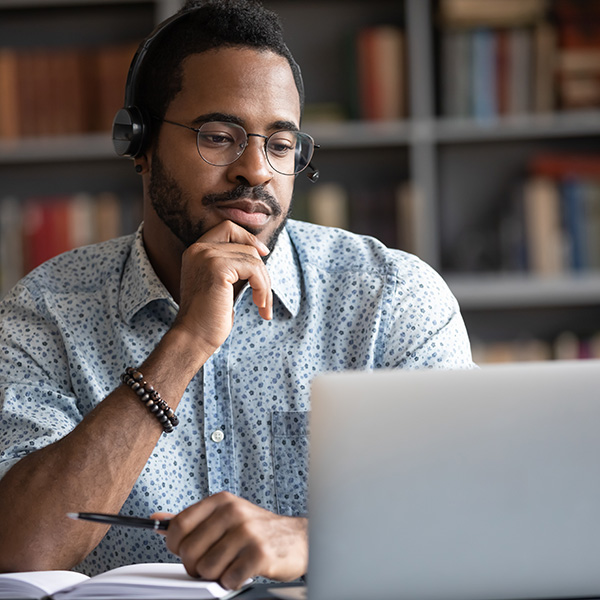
point(198, 131)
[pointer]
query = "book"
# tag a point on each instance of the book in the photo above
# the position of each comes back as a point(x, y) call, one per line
point(574, 219)
point(543, 230)
point(520, 71)
point(11, 254)
point(64, 90)
point(9, 99)
point(483, 80)
point(327, 205)
point(456, 73)
point(149, 581)
point(409, 217)
point(380, 72)
point(34, 229)
point(492, 13)
point(590, 193)
point(544, 57)
point(578, 60)
point(111, 63)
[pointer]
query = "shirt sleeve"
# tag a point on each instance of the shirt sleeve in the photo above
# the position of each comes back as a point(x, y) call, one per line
point(424, 327)
point(37, 406)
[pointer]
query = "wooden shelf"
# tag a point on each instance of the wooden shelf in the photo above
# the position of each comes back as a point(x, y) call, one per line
point(93, 146)
point(489, 292)
point(359, 134)
point(521, 127)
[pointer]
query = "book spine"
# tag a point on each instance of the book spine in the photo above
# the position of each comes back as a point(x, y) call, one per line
point(574, 226)
point(543, 229)
point(9, 100)
point(483, 74)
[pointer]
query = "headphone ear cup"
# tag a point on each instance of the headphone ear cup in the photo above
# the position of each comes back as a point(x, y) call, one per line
point(129, 132)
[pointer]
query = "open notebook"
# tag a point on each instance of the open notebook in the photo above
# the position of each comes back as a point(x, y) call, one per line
point(158, 581)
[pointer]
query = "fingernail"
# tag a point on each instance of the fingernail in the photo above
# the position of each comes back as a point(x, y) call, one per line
point(263, 247)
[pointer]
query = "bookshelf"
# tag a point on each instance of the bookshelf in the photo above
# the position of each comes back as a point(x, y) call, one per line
point(460, 171)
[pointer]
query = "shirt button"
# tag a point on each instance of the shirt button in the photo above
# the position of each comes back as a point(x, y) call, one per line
point(217, 436)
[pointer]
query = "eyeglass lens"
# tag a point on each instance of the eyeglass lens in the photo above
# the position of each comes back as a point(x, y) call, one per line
point(220, 144)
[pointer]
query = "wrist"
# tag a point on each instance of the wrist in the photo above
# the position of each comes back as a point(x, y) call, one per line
point(188, 346)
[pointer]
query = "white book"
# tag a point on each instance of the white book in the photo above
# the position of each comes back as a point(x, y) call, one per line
point(544, 235)
point(152, 581)
point(328, 205)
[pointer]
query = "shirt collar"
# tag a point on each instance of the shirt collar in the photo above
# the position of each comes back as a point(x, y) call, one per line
point(140, 285)
point(284, 270)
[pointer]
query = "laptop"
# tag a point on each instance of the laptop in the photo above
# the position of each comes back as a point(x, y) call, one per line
point(456, 485)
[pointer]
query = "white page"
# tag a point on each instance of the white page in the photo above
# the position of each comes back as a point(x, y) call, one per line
point(155, 580)
point(48, 582)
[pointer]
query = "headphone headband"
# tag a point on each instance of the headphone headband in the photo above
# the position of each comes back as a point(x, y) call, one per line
point(130, 127)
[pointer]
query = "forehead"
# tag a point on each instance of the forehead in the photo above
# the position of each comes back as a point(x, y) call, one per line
point(252, 84)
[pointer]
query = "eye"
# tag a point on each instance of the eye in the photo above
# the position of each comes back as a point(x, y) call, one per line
point(281, 143)
point(215, 138)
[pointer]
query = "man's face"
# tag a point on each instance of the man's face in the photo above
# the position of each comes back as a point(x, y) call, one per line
point(187, 195)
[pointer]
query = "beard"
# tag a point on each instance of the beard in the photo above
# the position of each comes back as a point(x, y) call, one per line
point(169, 202)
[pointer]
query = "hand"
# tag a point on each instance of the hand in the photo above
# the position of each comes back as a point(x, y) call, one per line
point(211, 269)
point(228, 539)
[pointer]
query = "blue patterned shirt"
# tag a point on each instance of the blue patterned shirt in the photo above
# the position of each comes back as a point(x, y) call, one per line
point(341, 301)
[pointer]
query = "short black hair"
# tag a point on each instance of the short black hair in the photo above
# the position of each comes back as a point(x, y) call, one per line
point(206, 25)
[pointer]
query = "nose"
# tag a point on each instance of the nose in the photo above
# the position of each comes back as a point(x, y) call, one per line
point(252, 168)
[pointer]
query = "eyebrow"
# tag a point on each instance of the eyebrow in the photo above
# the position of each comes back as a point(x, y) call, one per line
point(227, 118)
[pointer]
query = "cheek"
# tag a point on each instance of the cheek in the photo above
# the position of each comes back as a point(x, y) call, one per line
point(182, 161)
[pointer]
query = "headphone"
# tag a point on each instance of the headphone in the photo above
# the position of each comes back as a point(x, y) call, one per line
point(130, 126)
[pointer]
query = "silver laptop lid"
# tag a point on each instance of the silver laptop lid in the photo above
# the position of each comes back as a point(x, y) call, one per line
point(478, 485)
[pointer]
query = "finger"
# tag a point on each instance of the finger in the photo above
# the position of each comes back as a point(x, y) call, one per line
point(229, 232)
point(255, 272)
point(218, 557)
point(194, 530)
point(186, 522)
point(262, 294)
point(245, 565)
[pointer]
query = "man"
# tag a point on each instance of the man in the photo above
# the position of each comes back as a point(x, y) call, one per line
point(222, 307)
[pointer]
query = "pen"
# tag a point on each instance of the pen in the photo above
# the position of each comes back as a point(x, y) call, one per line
point(123, 520)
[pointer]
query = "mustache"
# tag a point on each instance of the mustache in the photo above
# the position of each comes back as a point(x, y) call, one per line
point(247, 193)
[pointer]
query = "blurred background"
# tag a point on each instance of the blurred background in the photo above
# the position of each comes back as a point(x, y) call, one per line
point(464, 131)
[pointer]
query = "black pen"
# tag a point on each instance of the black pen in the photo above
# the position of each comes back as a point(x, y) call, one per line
point(123, 520)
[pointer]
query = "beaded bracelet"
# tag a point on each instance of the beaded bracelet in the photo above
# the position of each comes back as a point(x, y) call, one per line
point(151, 398)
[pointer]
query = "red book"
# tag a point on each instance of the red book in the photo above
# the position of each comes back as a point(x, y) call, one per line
point(9, 98)
point(502, 71)
point(366, 73)
point(558, 166)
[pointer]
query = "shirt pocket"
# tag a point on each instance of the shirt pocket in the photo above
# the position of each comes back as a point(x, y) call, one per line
point(290, 461)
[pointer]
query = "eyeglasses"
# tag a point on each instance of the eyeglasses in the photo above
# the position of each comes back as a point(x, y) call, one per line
point(221, 143)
